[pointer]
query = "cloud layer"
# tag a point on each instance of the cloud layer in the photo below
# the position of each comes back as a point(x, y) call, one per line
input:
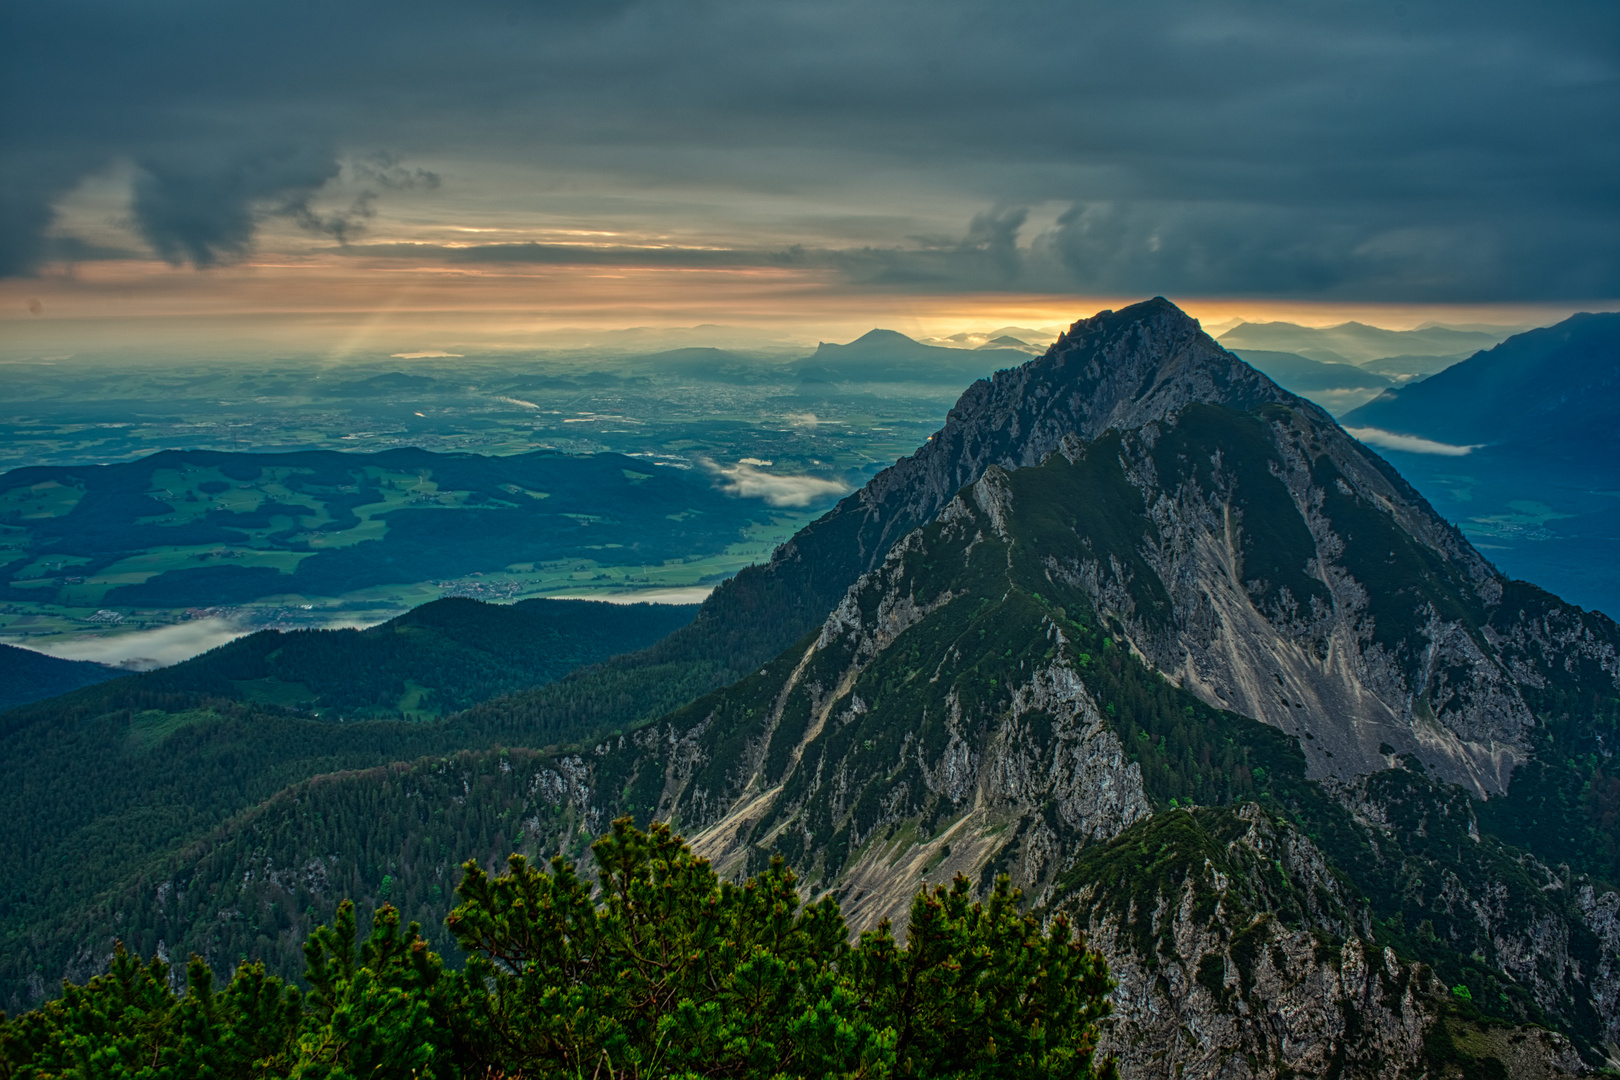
point(1382, 150)
point(1412, 444)
point(143, 650)
point(748, 482)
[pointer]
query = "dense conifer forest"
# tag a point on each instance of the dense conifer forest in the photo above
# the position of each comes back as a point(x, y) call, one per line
point(657, 969)
point(106, 786)
point(27, 676)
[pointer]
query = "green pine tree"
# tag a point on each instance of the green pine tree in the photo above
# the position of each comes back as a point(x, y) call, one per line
point(660, 970)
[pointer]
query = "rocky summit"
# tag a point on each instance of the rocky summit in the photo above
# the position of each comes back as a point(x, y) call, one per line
point(1161, 642)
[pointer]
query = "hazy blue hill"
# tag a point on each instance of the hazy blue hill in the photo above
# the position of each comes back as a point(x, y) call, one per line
point(1006, 341)
point(27, 676)
point(889, 356)
point(1410, 367)
point(1559, 383)
point(1356, 342)
point(1538, 492)
point(1303, 375)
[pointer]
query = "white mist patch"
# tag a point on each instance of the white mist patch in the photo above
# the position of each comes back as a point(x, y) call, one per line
point(1412, 444)
point(747, 482)
point(143, 650)
point(516, 401)
point(425, 355)
point(692, 594)
point(1339, 402)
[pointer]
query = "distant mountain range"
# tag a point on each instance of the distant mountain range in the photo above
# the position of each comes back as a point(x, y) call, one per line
point(888, 356)
point(1341, 367)
point(1137, 627)
point(1533, 470)
point(1357, 343)
point(1559, 384)
point(1304, 376)
point(1024, 337)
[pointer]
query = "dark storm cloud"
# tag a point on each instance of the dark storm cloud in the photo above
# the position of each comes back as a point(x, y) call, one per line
point(1370, 150)
point(31, 180)
point(605, 255)
point(206, 212)
point(994, 235)
point(386, 171)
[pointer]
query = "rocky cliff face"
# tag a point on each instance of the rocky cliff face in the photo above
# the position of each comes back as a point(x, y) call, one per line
point(1310, 588)
point(1307, 584)
point(1241, 954)
point(966, 709)
point(832, 767)
point(1140, 504)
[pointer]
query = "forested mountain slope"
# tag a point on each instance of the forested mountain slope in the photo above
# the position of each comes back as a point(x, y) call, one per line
point(1145, 632)
point(98, 782)
point(1532, 457)
point(435, 659)
point(27, 676)
point(1558, 383)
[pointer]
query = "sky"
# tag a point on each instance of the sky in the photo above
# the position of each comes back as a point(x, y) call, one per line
point(426, 172)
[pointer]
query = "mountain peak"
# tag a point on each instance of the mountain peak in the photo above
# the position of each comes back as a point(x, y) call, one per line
point(1117, 369)
point(1130, 384)
point(1127, 578)
point(1120, 369)
point(880, 336)
point(887, 340)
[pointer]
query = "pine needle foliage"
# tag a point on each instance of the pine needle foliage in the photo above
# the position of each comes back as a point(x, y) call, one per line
point(657, 969)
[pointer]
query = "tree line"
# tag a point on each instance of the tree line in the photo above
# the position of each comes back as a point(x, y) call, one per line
point(658, 968)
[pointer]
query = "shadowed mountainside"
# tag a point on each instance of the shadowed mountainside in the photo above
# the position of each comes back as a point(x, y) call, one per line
point(27, 676)
point(1533, 473)
point(1559, 384)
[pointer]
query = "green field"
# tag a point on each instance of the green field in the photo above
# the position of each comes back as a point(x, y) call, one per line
point(320, 539)
point(297, 543)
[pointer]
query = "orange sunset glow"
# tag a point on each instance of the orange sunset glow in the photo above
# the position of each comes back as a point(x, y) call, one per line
point(302, 302)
